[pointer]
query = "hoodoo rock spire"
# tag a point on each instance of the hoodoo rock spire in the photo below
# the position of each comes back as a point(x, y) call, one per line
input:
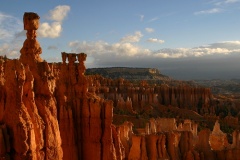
point(31, 48)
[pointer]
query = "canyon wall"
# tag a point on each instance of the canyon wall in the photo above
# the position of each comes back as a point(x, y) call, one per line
point(132, 97)
point(53, 111)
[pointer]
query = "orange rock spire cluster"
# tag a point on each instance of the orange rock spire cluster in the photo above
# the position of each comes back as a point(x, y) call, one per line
point(41, 100)
point(85, 120)
point(54, 112)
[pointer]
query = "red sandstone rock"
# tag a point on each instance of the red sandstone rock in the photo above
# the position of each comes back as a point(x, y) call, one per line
point(30, 107)
point(172, 146)
point(203, 145)
point(135, 151)
point(91, 116)
point(218, 139)
point(120, 150)
point(53, 112)
point(125, 131)
point(31, 48)
point(4, 143)
point(144, 155)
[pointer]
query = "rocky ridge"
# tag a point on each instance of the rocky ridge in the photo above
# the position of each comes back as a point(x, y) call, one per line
point(128, 73)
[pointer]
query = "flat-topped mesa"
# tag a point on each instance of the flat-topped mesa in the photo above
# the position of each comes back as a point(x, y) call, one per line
point(31, 48)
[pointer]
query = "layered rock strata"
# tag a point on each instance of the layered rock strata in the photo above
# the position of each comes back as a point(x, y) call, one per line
point(129, 97)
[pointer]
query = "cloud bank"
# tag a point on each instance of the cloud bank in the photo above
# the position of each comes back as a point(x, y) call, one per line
point(101, 49)
point(216, 60)
point(54, 29)
point(127, 47)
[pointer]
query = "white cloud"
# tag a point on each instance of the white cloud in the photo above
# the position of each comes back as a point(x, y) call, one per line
point(230, 45)
point(106, 53)
point(101, 49)
point(213, 60)
point(54, 29)
point(9, 26)
point(155, 40)
point(149, 30)
point(210, 11)
point(221, 48)
point(59, 13)
point(132, 38)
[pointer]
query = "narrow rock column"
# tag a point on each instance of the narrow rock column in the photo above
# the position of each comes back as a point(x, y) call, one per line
point(31, 48)
point(108, 149)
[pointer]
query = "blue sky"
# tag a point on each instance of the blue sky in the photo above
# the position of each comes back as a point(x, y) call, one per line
point(184, 39)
